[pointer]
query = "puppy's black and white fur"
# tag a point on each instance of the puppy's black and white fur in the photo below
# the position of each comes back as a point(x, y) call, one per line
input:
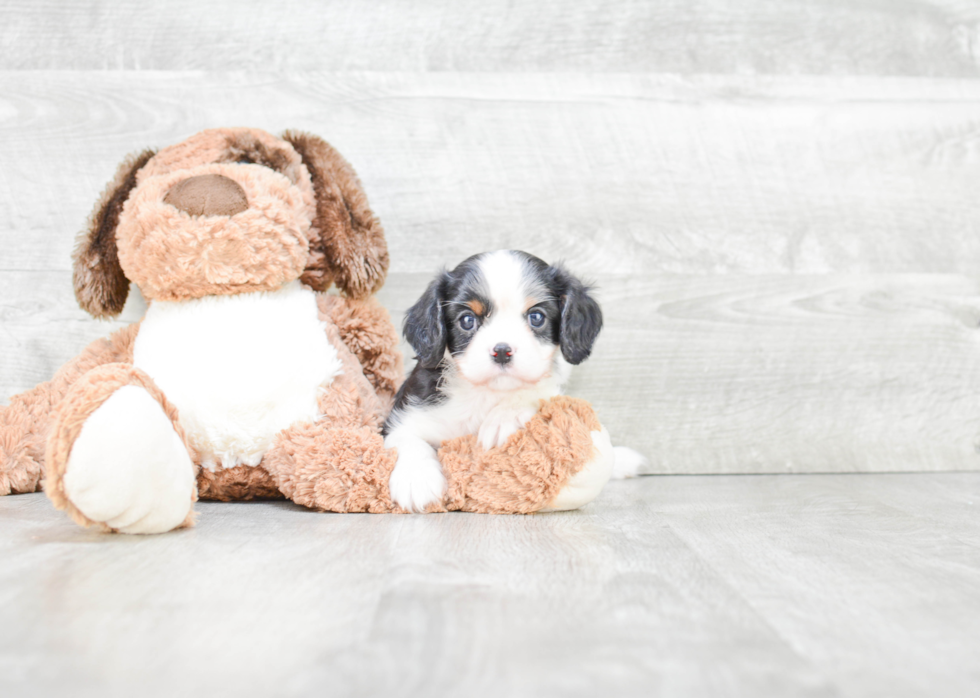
point(493, 337)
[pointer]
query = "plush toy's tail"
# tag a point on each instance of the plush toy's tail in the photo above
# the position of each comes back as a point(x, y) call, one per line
point(626, 463)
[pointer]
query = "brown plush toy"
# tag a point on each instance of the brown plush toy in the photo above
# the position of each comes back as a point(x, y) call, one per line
point(245, 378)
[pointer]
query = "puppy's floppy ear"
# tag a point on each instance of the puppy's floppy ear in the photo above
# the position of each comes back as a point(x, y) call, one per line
point(581, 317)
point(101, 286)
point(348, 246)
point(425, 326)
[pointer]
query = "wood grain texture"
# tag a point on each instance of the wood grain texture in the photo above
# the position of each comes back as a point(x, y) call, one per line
point(731, 374)
point(722, 374)
point(617, 174)
point(839, 37)
point(42, 327)
point(845, 585)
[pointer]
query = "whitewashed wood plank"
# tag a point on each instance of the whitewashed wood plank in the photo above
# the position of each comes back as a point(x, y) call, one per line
point(671, 586)
point(867, 37)
point(617, 174)
point(731, 374)
point(42, 327)
point(721, 374)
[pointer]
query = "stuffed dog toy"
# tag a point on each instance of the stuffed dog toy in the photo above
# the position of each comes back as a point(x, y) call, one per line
point(246, 378)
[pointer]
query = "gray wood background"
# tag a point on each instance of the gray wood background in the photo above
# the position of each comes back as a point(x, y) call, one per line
point(778, 200)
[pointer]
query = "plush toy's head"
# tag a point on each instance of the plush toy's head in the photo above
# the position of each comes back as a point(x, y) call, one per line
point(229, 211)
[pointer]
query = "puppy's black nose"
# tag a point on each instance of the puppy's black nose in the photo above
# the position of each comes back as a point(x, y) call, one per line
point(502, 354)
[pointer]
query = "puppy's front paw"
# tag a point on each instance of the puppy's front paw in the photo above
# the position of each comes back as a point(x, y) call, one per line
point(500, 424)
point(417, 481)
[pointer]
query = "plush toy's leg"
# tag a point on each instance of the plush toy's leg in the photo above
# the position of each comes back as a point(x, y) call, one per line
point(117, 457)
point(585, 485)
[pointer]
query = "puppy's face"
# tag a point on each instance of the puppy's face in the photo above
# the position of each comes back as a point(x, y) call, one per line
point(502, 317)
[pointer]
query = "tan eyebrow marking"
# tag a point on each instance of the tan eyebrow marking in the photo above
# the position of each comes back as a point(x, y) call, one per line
point(476, 307)
point(529, 303)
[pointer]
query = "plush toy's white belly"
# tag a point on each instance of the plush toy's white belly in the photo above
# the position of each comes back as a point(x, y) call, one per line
point(238, 368)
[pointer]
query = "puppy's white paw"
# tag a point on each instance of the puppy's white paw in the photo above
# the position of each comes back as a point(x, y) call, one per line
point(626, 463)
point(128, 467)
point(417, 480)
point(500, 424)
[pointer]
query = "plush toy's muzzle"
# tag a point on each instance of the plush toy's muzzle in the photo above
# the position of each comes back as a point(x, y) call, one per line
point(214, 230)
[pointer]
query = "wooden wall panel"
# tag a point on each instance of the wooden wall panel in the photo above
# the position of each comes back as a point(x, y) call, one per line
point(779, 199)
point(836, 37)
point(702, 374)
point(618, 174)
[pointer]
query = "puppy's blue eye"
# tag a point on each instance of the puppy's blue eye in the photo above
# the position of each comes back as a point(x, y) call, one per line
point(467, 322)
point(535, 318)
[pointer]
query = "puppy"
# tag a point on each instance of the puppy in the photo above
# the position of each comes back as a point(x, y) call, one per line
point(493, 337)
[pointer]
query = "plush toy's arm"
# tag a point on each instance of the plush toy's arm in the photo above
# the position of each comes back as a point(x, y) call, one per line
point(366, 328)
point(560, 460)
point(332, 469)
point(26, 421)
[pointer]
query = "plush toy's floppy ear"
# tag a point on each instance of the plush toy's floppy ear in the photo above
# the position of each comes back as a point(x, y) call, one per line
point(349, 248)
point(424, 326)
point(581, 317)
point(101, 286)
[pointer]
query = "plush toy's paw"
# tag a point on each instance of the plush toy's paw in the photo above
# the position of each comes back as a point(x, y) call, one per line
point(129, 468)
point(417, 480)
point(626, 463)
point(18, 471)
point(500, 424)
point(585, 485)
point(20, 466)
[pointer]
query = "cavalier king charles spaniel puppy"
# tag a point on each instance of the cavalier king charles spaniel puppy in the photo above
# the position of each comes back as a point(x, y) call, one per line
point(493, 337)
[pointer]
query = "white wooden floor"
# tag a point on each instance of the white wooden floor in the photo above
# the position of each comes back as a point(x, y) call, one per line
point(767, 585)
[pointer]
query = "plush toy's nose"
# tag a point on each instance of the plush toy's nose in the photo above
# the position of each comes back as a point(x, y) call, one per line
point(208, 195)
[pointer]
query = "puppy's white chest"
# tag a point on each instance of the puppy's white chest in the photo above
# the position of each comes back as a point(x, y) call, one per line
point(238, 368)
